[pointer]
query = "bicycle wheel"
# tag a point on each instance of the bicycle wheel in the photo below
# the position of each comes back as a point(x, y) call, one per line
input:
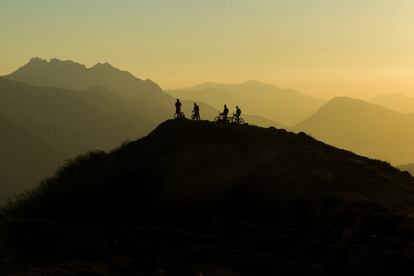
point(241, 121)
point(217, 119)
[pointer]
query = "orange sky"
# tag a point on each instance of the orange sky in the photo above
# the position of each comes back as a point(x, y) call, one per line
point(323, 48)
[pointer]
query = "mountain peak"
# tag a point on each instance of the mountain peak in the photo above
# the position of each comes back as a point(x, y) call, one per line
point(75, 76)
point(40, 66)
point(339, 101)
point(37, 60)
point(365, 128)
point(254, 82)
point(65, 64)
point(352, 104)
point(227, 157)
point(236, 195)
point(103, 66)
point(343, 99)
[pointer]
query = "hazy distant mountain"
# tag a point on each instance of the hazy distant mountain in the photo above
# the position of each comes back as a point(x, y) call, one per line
point(215, 199)
point(396, 102)
point(263, 122)
point(24, 159)
point(364, 128)
point(52, 125)
point(149, 98)
point(281, 105)
point(70, 121)
point(75, 76)
point(96, 108)
point(142, 98)
point(45, 123)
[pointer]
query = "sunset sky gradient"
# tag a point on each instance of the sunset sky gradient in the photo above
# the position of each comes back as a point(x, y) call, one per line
point(323, 48)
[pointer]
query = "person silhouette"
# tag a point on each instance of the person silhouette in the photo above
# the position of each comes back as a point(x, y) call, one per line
point(225, 113)
point(238, 113)
point(196, 112)
point(178, 108)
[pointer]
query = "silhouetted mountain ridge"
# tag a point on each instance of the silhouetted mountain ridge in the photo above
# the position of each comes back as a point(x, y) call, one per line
point(73, 109)
point(201, 197)
point(52, 125)
point(70, 121)
point(186, 164)
point(76, 76)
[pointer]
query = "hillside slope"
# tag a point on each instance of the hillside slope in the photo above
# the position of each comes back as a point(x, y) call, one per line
point(397, 102)
point(201, 163)
point(219, 199)
point(364, 128)
point(69, 121)
point(24, 160)
point(46, 126)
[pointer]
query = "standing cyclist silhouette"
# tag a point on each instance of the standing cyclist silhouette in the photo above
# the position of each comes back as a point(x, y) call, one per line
point(238, 113)
point(225, 113)
point(196, 112)
point(178, 108)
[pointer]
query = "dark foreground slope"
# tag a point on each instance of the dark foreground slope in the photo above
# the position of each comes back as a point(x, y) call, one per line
point(199, 197)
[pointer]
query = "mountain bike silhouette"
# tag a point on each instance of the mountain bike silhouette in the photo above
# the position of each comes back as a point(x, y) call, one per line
point(180, 115)
point(221, 118)
point(234, 120)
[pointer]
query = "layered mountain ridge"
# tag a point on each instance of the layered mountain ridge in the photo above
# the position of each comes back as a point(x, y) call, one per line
point(365, 128)
point(281, 105)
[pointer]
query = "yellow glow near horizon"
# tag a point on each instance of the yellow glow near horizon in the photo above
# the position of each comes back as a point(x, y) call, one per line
point(322, 48)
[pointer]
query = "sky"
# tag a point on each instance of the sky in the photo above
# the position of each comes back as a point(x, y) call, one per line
point(323, 48)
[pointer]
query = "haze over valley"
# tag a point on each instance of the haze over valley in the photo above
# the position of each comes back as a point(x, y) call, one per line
point(71, 109)
point(153, 137)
